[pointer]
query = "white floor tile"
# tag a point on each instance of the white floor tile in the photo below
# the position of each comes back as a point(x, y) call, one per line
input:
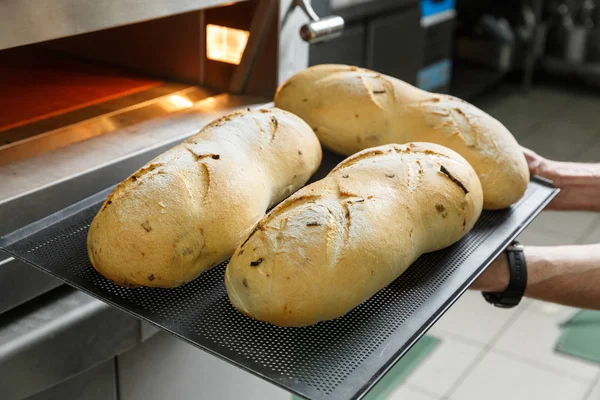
point(473, 319)
point(406, 392)
point(534, 238)
point(498, 377)
point(444, 365)
point(564, 224)
point(559, 312)
point(592, 237)
point(595, 393)
point(532, 337)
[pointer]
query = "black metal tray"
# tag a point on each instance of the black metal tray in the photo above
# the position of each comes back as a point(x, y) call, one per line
point(341, 359)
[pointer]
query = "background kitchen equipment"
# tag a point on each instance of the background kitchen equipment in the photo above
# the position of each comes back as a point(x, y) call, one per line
point(375, 32)
point(408, 39)
point(318, 29)
point(497, 38)
point(573, 47)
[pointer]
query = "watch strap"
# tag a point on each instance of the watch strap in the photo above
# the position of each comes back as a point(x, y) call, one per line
point(517, 284)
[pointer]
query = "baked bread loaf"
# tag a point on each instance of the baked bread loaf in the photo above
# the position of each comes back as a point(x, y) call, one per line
point(337, 242)
point(351, 109)
point(187, 210)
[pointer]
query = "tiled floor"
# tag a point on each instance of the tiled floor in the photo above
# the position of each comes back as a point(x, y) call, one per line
point(490, 353)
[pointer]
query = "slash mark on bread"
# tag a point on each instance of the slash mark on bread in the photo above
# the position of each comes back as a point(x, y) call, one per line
point(290, 203)
point(444, 171)
point(206, 178)
point(357, 158)
point(347, 225)
point(258, 228)
point(200, 157)
point(256, 263)
point(275, 126)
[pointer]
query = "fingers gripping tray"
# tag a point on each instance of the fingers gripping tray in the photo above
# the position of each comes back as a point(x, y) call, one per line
point(340, 359)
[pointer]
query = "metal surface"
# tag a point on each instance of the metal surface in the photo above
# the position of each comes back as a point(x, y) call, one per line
point(98, 383)
point(318, 29)
point(20, 282)
point(353, 10)
point(108, 118)
point(70, 117)
point(307, 8)
point(392, 34)
point(438, 18)
point(322, 30)
point(337, 359)
point(57, 336)
point(348, 49)
point(30, 21)
point(260, 26)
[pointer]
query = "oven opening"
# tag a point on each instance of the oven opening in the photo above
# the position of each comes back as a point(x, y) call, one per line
point(113, 92)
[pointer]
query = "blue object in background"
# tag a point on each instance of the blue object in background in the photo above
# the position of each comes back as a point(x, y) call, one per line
point(432, 7)
point(435, 75)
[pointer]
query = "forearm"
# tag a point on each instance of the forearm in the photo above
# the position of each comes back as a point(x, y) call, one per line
point(568, 275)
point(579, 184)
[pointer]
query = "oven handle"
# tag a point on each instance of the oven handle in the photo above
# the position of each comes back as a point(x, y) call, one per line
point(318, 29)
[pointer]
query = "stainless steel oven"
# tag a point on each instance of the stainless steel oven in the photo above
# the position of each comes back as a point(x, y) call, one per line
point(90, 91)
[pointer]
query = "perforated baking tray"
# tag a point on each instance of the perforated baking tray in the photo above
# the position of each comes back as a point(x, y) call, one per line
point(341, 359)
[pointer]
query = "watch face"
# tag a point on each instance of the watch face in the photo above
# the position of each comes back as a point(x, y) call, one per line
point(515, 246)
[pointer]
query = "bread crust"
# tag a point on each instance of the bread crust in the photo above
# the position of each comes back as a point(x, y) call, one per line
point(186, 211)
point(351, 109)
point(336, 242)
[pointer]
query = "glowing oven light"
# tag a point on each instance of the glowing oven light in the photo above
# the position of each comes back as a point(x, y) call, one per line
point(225, 44)
point(180, 101)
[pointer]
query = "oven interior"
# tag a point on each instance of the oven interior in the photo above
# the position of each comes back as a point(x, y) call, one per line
point(57, 86)
point(79, 113)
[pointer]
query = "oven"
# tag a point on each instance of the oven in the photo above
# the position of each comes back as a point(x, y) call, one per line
point(90, 91)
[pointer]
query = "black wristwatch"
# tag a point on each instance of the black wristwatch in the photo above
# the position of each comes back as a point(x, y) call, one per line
point(518, 279)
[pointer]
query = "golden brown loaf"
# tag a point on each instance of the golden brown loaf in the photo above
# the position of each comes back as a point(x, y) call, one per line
point(351, 109)
point(187, 210)
point(338, 241)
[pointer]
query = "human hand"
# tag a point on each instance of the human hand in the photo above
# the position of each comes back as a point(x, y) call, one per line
point(551, 170)
point(537, 164)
